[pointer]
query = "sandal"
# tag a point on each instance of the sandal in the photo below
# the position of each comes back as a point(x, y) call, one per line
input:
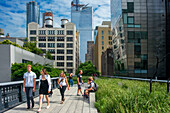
point(39, 110)
point(48, 107)
point(61, 102)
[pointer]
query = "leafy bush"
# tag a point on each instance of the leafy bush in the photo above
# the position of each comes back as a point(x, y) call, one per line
point(18, 70)
point(128, 96)
point(88, 69)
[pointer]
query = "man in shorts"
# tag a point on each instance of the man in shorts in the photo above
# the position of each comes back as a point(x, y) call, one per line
point(79, 82)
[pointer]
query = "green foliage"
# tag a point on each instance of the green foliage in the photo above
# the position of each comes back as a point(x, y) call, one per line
point(128, 96)
point(29, 46)
point(18, 70)
point(88, 69)
point(48, 55)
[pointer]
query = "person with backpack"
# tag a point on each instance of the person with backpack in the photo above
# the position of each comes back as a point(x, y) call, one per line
point(44, 88)
point(63, 84)
point(91, 88)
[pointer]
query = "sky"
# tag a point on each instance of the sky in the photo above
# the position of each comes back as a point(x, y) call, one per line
point(13, 13)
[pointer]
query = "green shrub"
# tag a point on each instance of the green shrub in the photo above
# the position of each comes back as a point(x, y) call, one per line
point(18, 70)
point(129, 96)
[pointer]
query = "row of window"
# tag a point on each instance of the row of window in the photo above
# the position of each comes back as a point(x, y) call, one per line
point(51, 32)
point(59, 45)
point(62, 57)
point(110, 37)
point(61, 64)
point(51, 39)
point(109, 33)
point(59, 51)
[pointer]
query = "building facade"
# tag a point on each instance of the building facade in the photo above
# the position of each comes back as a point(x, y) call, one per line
point(33, 12)
point(82, 16)
point(102, 42)
point(2, 32)
point(107, 64)
point(62, 43)
point(139, 28)
point(90, 52)
point(11, 54)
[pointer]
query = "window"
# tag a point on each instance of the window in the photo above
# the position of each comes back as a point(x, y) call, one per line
point(60, 38)
point(110, 43)
point(69, 38)
point(51, 45)
point(60, 57)
point(137, 49)
point(60, 51)
point(42, 32)
point(69, 70)
point(60, 45)
point(102, 48)
point(109, 32)
point(110, 37)
point(69, 51)
point(52, 51)
point(60, 32)
point(102, 37)
point(51, 38)
point(102, 32)
point(125, 18)
point(51, 32)
point(53, 57)
point(69, 45)
point(102, 42)
point(121, 35)
point(130, 7)
point(69, 32)
point(69, 57)
point(130, 20)
point(32, 38)
point(32, 32)
point(43, 50)
point(60, 64)
point(41, 38)
point(69, 64)
point(42, 44)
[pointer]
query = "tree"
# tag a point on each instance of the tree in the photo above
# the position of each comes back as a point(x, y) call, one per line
point(48, 55)
point(88, 69)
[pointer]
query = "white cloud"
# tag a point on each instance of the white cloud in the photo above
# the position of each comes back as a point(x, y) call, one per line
point(13, 14)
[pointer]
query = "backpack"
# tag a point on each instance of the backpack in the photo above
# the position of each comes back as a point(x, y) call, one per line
point(95, 87)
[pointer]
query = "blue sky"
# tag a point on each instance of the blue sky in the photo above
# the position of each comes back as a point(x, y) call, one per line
point(13, 13)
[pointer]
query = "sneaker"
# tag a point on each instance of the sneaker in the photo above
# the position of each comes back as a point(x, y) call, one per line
point(78, 94)
point(48, 106)
point(28, 107)
point(39, 110)
point(61, 102)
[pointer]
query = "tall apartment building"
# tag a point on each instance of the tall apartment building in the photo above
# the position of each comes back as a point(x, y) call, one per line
point(102, 42)
point(33, 12)
point(139, 37)
point(62, 43)
point(90, 52)
point(107, 62)
point(2, 32)
point(82, 16)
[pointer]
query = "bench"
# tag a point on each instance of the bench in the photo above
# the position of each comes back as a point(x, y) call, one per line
point(91, 102)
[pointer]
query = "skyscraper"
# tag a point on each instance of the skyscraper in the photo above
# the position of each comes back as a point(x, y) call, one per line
point(82, 16)
point(139, 37)
point(33, 13)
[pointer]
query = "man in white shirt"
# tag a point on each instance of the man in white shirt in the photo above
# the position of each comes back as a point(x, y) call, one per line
point(29, 85)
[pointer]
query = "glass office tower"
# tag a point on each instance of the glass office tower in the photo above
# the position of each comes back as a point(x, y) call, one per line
point(33, 12)
point(139, 37)
point(82, 16)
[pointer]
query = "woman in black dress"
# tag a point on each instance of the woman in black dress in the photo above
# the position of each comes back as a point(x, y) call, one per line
point(45, 88)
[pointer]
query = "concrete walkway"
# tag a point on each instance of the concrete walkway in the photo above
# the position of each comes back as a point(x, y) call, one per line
point(72, 104)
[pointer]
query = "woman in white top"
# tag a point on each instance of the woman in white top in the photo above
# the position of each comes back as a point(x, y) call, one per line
point(44, 88)
point(62, 81)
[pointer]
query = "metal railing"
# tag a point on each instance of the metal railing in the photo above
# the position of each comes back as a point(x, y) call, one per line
point(11, 93)
point(143, 79)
